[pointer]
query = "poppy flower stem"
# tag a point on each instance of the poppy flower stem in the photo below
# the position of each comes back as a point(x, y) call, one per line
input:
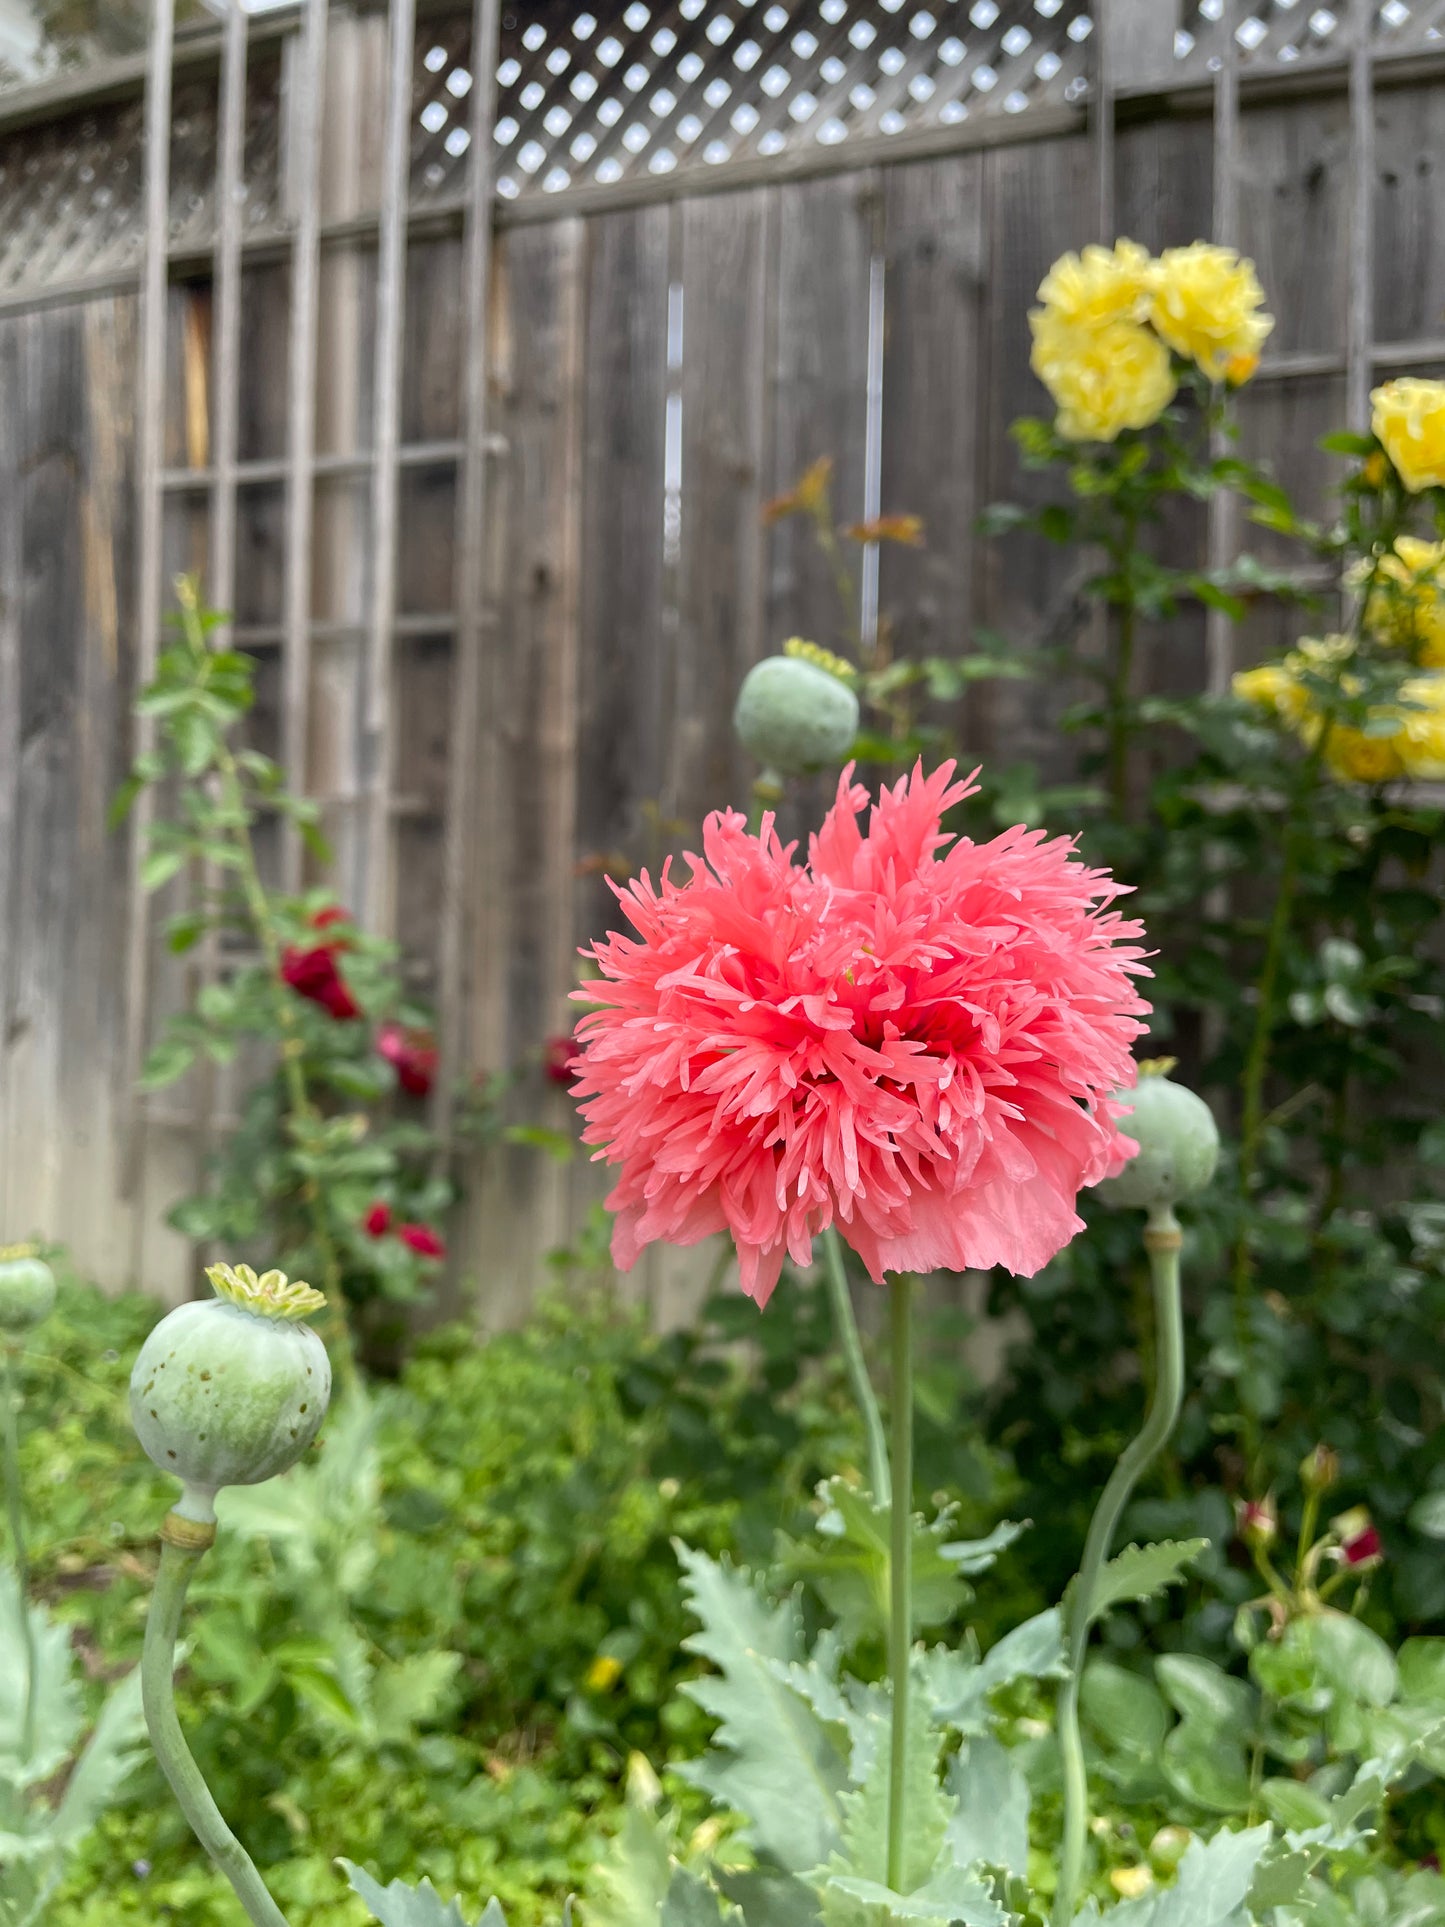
point(15, 1502)
point(900, 1617)
point(183, 1546)
point(846, 1325)
point(1162, 1240)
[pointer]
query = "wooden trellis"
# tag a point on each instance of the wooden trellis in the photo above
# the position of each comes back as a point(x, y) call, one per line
point(465, 397)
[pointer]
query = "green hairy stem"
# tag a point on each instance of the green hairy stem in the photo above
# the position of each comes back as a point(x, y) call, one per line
point(846, 1325)
point(180, 1555)
point(14, 1500)
point(900, 1614)
point(1162, 1239)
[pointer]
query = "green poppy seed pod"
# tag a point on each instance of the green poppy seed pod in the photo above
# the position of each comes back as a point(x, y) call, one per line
point(1178, 1144)
point(27, 1289)
point(231, 1390)
point(795, 717)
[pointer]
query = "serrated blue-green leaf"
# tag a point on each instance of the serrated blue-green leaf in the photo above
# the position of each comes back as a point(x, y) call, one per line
point(1034, 1650)
point(769, 1899)
point(774, 1761)
point(402, 1906)
point(952, 1896)
point(111, 1755)
point(928, 1808)
point(58, 1713)
point(991, 1821)
point(1209, 1890)
point(631, 1884)
point(1139, 1572)
point(690, 1902)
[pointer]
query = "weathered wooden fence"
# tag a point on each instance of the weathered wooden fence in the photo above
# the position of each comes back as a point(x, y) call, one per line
point(476, 453)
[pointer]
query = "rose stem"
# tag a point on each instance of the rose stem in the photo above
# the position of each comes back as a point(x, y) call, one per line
point(900, 1617)
point(14, 1499)
point(1162, 1241)
point(846, 1326)
point(183, 1543)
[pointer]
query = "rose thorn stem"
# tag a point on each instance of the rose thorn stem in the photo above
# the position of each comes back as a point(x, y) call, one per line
point(183, 1544)
point(1162, 1241)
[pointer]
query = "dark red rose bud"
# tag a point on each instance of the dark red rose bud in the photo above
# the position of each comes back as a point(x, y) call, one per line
point(1359, 1537)
point(377, 1221)
point(412, 1055)
point(557, 1057)
point(421, 1239)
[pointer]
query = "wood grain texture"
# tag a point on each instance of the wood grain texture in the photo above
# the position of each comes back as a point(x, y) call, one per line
point(933, 318)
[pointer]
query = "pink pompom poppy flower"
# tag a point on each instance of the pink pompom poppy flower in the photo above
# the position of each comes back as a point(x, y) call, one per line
point(911, 1037)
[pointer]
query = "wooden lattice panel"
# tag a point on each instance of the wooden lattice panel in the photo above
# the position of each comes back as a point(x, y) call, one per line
point(667, 85)
point(70, 190)
point(1285, 33)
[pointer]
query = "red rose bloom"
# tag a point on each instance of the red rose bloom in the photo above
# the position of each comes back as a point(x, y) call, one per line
point(421, 1239)
point(377, 1221)
point(411, 1054)
point(312, 971)
point(558, 1055)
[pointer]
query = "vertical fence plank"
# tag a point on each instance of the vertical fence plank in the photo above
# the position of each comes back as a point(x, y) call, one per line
point(1222, 538)
point(150, 412)
point(725, 278)
point(390, 297)
point(470, 560)
point(307, 105)
point(1359, 321)
point(934, 281)
point(526, 814)
point(825, 254)
point(1037, 204)
point(622, 750)
point(11, 741)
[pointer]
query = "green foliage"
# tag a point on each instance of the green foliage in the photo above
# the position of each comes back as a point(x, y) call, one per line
point(435, 1646)
point(326, 1131)
point(53, 1793)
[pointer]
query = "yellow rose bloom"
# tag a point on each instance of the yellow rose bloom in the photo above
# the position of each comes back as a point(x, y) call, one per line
point(1414, 746)
point(1101, 285)
point(1104, 379)
point(1409, 418)
point(1207, 304)
point(1407, 605)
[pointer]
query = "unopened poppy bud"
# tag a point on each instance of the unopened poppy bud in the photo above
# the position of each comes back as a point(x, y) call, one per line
point(1167, 1847)
point(794, 716)
point(1258, 1523)
point(1359, 1537)
point(1320, 1469)
point(27, 1288)
point(231, 1390)
point(1178, 1144)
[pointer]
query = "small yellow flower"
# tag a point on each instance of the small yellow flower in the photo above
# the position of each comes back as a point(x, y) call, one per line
point(1271, 686)
point(1373, 470)
point(1104, 380)
point(603, 1674)
point(1101, 285)
point(1131, 1882)
point(1409, 418)
point(1407, 605)
point(1207, 305)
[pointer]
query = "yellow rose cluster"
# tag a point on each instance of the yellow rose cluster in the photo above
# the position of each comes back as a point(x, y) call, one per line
point(1111, 316)
point(1408, 416)
point(1406, 607)
point(1413, 745)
